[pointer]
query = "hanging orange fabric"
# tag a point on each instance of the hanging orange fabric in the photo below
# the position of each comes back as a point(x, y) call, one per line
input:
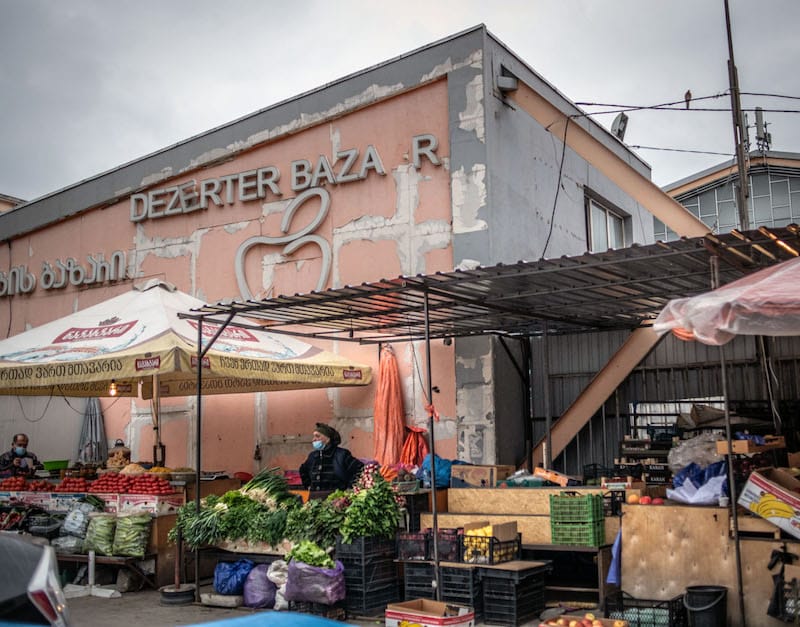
point(389, 414)
point(415, 448)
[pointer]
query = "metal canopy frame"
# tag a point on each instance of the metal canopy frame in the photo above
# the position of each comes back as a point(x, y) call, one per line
point(618, 289)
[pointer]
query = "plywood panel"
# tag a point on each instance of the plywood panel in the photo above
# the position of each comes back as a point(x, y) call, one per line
point(534, 501)
point(534, 529)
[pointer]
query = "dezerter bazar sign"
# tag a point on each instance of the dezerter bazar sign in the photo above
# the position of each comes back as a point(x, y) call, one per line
point(306, 179)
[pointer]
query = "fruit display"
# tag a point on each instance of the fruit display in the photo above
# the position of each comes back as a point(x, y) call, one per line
point(73, 484)
point(481, 547)
point(13, 484)
point(587, 620)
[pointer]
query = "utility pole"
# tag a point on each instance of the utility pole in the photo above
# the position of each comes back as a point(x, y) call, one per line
point(739, 131)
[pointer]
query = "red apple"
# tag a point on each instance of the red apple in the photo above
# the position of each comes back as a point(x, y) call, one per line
point(658, 501)
point(645, 500)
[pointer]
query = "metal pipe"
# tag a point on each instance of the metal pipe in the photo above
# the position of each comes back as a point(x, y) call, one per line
point(729, 456)
point(198, 455)
point(547, 457)
point(431, 412)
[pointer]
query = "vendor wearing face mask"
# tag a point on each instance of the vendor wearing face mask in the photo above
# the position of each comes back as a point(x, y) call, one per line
point(19, 461)
point(329, 467)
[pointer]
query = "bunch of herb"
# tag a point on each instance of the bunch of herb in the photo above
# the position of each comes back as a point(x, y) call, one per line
point(200, 528)
point(317, 521)
point(374, 511)
point(268, 527)
point(269, 484)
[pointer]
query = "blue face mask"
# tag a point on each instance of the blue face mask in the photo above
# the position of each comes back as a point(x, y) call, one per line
point(318, 445)
point(20, 450)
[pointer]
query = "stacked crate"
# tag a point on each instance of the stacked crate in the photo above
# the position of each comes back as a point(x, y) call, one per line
point(418, 580)
point(462, 585)
point(513, 597)
point(370, 574)
point(577, 519)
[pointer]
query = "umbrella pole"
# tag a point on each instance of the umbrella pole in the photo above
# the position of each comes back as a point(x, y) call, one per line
point(431, 418)
point(198, 455)
point(729, 458)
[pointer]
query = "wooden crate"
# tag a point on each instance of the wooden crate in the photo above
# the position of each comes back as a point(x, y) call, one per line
point(746, 447)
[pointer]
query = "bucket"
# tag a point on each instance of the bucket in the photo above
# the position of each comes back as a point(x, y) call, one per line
point(707, 606)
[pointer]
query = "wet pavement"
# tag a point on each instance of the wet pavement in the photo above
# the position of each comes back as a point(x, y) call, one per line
point(145, 608)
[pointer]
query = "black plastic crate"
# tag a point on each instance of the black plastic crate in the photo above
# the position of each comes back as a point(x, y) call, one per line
point(418, 581)
point(486, 550)
point(663, 433)
point(337, 611)
point(647, 612)
point(462, 586)
point(372, 573)
point(790, 601)
point(448, 545)
point(596, 471)
point(371, 602)
point(506, 602)
point(612, 502)
point(365, 548)
point(413, 545)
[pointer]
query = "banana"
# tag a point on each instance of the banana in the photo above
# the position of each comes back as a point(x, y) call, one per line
point(775, 509)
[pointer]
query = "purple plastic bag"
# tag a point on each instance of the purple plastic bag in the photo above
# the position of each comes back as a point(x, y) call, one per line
point(313, 584)
point(259, 592)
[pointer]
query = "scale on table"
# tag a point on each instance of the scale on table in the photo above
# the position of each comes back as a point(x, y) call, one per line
point(210, 475)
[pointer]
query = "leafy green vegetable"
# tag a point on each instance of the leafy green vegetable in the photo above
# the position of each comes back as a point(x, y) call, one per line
point(317, 521)
point(310, 553)
point(374, 511)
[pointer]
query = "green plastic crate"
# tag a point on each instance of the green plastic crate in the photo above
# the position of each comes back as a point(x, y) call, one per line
point(578, 534)
point(576, 508)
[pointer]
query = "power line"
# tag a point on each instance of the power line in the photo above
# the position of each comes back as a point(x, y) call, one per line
point(698, 152)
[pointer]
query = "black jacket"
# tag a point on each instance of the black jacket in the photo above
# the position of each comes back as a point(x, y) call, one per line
point(332, 468)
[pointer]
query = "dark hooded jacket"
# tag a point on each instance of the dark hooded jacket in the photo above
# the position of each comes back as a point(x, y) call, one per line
point(332, 468)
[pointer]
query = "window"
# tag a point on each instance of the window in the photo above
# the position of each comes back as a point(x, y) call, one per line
point(606, 228)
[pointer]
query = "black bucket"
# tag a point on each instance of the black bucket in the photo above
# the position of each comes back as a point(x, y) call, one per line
point(707, 606)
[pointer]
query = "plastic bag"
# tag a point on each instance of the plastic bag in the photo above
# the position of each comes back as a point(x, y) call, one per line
point(700, 450)
point(77, 519)
point(100, 534)
point(314, 584)
point(132, 535)
point(259, 591)
point(443, 469)
point(67, 544)
point(277, 574)
point(229, 577)
point(700, 486)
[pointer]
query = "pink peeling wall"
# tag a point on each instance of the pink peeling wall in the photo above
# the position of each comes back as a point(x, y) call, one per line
point(383, 226)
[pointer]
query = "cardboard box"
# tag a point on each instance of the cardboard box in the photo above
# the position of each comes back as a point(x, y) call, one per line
point(469, 476)
point(427, 613)
point(794, 460)
point(745, 447)
point(158, 505)
point(774, 495)
point(502, 531)
point(555, 477)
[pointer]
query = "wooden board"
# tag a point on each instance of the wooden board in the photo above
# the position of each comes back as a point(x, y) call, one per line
point(666, 549)
point(532, 501)
point(534, 529)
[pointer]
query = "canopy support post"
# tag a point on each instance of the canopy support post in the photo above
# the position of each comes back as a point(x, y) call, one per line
point(431, 419)
point(728, 456)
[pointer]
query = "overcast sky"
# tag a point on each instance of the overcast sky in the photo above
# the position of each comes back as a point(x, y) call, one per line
point(87, 85)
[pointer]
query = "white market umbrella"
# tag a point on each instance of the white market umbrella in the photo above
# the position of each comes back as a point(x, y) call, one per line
point(136, 336)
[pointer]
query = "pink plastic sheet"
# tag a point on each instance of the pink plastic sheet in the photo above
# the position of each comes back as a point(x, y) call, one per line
point(766, 302)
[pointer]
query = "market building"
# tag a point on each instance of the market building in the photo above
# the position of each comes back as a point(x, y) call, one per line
point(450, 156)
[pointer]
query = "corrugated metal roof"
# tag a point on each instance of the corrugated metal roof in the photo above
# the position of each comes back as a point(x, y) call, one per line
point(618, 289)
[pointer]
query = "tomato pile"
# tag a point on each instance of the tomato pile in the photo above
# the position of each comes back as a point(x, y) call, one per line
point(109, 483)
point(72, 484)
point(39, 486)
point(14, 484)
point(125, 484)
point(150, 484)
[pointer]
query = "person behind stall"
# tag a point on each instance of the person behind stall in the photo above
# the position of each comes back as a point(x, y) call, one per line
point(329, 467)
point(19, 461)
